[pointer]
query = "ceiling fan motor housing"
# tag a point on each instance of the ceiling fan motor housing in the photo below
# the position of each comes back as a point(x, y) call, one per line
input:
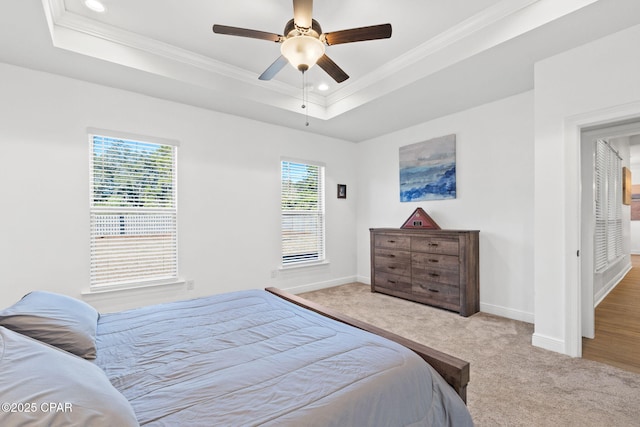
point(314, 31)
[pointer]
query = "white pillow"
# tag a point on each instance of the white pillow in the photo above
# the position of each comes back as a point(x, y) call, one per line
point(59, 320)
point(42, 385)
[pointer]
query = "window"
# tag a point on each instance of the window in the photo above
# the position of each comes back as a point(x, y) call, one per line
point(133, 212)
point(302, 206)
point(608, 205)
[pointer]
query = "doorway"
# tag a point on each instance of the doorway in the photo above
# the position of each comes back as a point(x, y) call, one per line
point(597, 281)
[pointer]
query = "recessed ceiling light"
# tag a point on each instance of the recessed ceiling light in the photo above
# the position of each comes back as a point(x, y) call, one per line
point(95, 5)
point(323, 86)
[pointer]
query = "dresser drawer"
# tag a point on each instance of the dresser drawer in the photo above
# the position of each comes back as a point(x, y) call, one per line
point(392, 255)
point(391, 241)
point(439, 294)
point(435, 244)
point(425, 260)
point(400, 265)
point(434, 275)
point(393, 281)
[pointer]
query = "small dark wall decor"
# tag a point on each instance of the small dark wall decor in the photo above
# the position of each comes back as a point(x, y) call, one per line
point(342, 191)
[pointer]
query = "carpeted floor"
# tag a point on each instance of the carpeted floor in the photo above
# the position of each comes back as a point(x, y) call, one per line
point(512, 382)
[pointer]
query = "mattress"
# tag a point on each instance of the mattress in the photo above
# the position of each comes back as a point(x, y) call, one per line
point(250, 358)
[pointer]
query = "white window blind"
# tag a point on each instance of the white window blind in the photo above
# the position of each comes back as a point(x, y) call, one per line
point(608, 206)
point(133, 212)
point(302, 207)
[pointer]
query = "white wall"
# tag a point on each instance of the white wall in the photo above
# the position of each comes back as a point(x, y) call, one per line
point(494, 171)
point(228, 174)
point(590, 85)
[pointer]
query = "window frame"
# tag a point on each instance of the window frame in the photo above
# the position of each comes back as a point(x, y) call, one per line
point(301, 259)
point(156, 213)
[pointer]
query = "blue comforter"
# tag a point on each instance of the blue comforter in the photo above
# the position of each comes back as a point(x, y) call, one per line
point(249, 358)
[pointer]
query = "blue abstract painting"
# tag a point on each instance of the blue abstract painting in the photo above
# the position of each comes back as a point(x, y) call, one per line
point(428, 170)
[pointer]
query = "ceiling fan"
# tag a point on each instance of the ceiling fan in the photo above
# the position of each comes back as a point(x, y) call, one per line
point(303, 42)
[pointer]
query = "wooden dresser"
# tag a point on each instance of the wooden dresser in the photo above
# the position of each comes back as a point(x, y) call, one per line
point(435, 267)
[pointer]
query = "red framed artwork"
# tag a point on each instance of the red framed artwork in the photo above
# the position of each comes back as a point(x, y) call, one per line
point(420, 219)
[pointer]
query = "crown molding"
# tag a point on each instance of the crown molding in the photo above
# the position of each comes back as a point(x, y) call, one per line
point(495, 25)
point(456, 33)
point(59, 18)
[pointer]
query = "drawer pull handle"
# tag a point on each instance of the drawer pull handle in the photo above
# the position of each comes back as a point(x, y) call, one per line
point(434, 275)
point(391, 267)
point(391, 241)
point(433, 290)
point(392, 256)
point(393, 282)
point(434, 260)
point(433, 244)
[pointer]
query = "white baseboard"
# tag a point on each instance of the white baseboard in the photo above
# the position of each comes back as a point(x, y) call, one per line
point(602, 294)
point(509, 313)
point(497, 310)
point(548, 343)
point(363, 279)
point(320, 285)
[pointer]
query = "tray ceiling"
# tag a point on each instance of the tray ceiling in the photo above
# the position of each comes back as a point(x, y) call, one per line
point(443, 56)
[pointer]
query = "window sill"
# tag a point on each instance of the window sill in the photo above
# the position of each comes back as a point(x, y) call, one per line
point(128, 288)
point(303, 265)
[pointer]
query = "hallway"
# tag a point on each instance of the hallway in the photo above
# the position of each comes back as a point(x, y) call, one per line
point(617, 325)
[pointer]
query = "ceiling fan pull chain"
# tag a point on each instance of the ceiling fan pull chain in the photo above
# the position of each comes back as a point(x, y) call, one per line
point(305, 98)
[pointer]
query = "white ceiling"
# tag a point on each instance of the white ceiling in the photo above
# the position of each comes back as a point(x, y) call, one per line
point(444, 55)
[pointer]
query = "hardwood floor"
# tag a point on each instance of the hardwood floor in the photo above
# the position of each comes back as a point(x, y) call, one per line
point(617, 340)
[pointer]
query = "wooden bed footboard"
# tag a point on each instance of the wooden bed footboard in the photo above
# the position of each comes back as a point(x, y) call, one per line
point(455, 371)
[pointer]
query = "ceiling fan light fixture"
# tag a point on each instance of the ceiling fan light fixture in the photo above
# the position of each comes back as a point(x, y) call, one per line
point(95, 5)
point(302, 51)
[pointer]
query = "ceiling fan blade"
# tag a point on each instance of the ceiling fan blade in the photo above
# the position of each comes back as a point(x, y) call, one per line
point(302, 13)
point(332, 69)
point(373, 32)
point(274, 68)
point(243, 32)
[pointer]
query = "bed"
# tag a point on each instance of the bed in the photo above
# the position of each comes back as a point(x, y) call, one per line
point(258, 357)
